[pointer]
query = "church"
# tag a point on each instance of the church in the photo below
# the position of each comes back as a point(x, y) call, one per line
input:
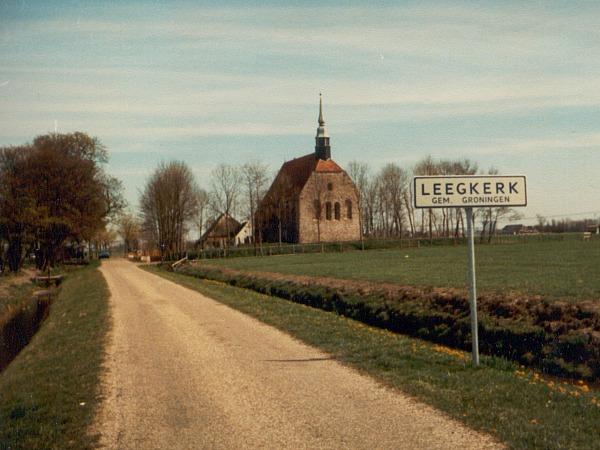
point(312, 199)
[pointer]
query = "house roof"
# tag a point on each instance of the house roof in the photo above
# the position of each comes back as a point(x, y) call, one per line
point(298, 170)
point(218, 229)
point(516, 227)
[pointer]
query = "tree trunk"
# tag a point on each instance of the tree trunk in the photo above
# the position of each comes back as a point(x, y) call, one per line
point(15, 250)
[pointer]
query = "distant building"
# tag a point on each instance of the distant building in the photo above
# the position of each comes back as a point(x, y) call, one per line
point(593, 228)
point(512, 229)
point(244, 234)
point(312, 199)
point(222, 233)
point(518, 229)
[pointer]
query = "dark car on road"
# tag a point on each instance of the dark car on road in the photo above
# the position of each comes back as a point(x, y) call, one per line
point(104, 254)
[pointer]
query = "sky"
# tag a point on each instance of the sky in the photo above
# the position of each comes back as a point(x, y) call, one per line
point(513, 85)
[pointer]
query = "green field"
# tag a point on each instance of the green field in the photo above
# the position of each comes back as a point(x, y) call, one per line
point(568, 269)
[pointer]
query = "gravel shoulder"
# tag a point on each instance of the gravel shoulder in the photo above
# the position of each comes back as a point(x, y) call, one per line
point(184, 371)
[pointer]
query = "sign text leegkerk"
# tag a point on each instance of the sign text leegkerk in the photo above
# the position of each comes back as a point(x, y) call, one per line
point(465, 191)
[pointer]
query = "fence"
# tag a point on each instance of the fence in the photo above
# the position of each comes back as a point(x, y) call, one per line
point(367, 244)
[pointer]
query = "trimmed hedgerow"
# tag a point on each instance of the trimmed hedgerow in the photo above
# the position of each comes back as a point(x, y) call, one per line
point(558, 338)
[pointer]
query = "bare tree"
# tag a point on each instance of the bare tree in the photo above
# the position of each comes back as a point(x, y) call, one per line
point(255, 179)
point(203, 202)
point(427, 166)
point(129, 230)
point(359, 172)
point(225, 189)
point(393, 184)
point(168, 204)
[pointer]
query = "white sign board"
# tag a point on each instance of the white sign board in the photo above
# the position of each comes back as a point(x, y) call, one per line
point(470, 191)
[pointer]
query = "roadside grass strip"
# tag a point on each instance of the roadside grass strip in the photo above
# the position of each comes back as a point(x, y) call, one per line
point(49, 393)
point(518, 406)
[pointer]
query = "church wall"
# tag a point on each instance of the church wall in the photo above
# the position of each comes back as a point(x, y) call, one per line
point(333, 229)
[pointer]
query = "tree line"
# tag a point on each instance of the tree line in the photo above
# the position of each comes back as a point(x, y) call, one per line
point(566, 225)
point(172, 204)
point(387, 201)
point(54, 195)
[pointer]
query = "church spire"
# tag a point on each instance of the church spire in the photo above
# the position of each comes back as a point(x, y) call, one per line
point(321, 121)
point(322, 147)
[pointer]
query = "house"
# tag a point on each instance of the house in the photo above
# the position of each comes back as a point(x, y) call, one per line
point(513, 229)
point(518, 229)
point(222, 232)
point(593, 228)
point(312, 199)
point(244, 235)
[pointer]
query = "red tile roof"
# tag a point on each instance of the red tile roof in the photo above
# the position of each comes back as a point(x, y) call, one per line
point(328, 166)
point(299, 170)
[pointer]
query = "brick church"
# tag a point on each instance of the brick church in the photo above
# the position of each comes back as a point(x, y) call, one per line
point(312, 199)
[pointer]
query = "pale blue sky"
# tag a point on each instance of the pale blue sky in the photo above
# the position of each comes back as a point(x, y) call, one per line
point(510, 84)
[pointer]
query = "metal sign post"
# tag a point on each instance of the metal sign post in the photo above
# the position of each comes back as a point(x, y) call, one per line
point(469, 191)
point(472, 289)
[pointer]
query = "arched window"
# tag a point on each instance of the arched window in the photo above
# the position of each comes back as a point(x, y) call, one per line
point(349, 209)
point(328, 210)
point(337, 211)
point(317, 207)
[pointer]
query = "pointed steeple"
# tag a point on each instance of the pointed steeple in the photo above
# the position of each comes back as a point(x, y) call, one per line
point(322, 147)
point(321, 121)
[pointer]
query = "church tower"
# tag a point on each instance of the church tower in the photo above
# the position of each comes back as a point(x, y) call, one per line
point(322, 147)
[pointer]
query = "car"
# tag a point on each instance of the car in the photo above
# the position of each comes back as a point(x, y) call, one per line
point(103, 254)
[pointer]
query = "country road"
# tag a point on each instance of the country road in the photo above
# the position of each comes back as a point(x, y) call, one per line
point(186, 372)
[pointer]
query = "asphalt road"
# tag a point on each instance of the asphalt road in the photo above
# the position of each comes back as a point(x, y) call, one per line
point(186, 372)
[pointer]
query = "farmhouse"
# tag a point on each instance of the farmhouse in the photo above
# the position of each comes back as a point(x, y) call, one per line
point(222, 232)
point(244, 234)
point(312, 199)
point(518, 229)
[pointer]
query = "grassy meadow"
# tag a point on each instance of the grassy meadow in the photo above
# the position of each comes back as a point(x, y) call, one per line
point(518, 406)
point(567, 269)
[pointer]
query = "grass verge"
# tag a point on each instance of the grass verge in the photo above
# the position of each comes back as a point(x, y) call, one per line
point(518, 406)
point(49, 393)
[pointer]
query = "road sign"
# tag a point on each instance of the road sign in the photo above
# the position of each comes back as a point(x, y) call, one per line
point(470, 191)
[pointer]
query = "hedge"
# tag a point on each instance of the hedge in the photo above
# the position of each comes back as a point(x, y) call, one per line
point(557, 338)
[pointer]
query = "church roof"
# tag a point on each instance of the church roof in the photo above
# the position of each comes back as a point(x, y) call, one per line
point(298, 170)
point(328, 166)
